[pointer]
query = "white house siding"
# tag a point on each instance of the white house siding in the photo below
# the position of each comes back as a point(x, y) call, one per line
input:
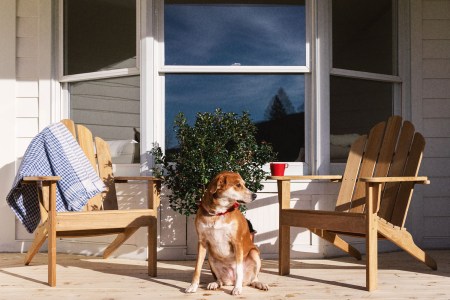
point(436, 121)
point(28, 70)
point(7, 119)
point(29, 61)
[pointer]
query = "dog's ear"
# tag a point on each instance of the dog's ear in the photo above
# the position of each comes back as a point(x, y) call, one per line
point(217, 183)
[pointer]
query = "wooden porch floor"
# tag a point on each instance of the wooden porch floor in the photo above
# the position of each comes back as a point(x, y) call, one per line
point(82, 277)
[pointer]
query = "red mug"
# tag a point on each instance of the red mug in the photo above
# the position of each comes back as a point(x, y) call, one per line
point(277, 169)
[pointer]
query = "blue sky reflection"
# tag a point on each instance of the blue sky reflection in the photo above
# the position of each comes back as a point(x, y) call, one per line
point(251, 33)
point(226, 34)
point(232, 93)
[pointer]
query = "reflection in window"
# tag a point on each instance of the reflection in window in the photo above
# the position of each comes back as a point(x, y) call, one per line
point(99, 35)
point(250, 33)
point(356, 105)
point(364, 36)
point(110, 109)
point(275, 104)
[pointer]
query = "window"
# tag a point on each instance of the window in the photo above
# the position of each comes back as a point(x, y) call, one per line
point(99, 35)
point(238, 56)
point(364, 83)
point(99, 67)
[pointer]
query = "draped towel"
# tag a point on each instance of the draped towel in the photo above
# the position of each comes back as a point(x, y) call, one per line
point(53, 152)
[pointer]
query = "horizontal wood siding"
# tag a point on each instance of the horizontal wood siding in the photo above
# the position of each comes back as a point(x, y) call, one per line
point(108, 107)
point(27, 85)
point(436, 122)
point(27, 82)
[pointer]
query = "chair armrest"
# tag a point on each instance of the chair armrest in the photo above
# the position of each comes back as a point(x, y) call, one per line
point(30, 179)
point(47, 196)
point(417, 179)
point(374, 185)
point(307, 177)
point(124, 179)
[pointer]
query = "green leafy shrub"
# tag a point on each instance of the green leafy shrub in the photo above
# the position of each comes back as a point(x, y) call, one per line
point(216, 142)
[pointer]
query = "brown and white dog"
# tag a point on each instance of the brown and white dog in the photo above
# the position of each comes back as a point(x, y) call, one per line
point(223, 232)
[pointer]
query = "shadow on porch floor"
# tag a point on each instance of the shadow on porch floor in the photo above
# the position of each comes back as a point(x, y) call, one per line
point(82, 277)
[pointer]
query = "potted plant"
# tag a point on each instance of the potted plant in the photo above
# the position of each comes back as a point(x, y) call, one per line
point(216, 142)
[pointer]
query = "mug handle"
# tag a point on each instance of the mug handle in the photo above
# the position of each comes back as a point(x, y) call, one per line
point(287, 165)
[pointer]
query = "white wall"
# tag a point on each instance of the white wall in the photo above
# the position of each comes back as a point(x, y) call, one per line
point(33, 55)
point(435, 62)
point(7, 120)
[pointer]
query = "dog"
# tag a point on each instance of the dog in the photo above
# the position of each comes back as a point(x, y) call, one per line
point(224, 233)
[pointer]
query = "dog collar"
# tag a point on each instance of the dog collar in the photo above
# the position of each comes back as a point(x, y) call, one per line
point(235, 205)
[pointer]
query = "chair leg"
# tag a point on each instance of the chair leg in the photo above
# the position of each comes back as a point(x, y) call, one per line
point(52, 258)
point(284, 250)
point(51, 225)
point(371, 255)
point(119, 240)
point(404, 240)
point(337, 241)
point(152, 248)
point(284, 238)
point(373, 193)
point(39, 238)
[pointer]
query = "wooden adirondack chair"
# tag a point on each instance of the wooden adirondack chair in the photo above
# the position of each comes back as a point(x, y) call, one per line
point(101, 215)
point(373, 200)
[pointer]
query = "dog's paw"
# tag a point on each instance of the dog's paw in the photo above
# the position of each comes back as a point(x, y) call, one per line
point(192, 288)
point(237, 290)
point(213, 285)
point(259, 285)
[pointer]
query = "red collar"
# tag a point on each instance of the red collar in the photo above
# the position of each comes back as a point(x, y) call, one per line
point(235, 205)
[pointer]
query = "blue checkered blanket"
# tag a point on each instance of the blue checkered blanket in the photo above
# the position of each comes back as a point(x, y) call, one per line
point(53, 152)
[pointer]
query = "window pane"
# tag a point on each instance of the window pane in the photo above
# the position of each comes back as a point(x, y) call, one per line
point(356, 106)
point(99, 35)
point(275, 104)
point(250, 33)
point(110, 109)
point(364, 36)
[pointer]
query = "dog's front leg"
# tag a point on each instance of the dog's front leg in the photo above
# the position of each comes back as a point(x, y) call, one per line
point(198, 269)
point(239, 252)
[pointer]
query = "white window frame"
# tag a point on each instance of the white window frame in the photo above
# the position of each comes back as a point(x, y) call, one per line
point(317, 71)
point(401, 82)
point(162, 70)
point(96, 74)
point(141, 68)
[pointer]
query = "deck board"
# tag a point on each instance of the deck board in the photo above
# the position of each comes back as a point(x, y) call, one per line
point(87, 277)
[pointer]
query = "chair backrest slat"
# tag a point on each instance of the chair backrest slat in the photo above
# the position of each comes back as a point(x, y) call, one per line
point(406, 189)
point(387, 150)
point(85, 140)
point(351, 174)
point(392, 149)
point(106, 173)
point(397, 169)
point(368, 164)
point(70, 126)
point(386, 154)
point(99, 156)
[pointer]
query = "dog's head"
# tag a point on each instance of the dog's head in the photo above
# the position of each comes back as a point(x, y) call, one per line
point(227, 188)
